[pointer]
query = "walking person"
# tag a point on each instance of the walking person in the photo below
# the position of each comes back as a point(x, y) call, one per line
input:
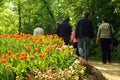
point(104, 35)
point(84, 32)
point(64, 31)
point(38, 30)
point(74, 41)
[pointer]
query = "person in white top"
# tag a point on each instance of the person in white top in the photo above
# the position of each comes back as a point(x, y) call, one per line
point(104, 35)
point(38, 30)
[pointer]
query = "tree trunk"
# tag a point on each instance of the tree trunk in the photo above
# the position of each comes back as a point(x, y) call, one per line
point(19, 13)
point(49, 11)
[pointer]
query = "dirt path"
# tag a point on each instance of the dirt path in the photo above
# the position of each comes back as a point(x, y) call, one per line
point(110, 70)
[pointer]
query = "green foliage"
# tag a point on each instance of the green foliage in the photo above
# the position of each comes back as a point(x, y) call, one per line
point(95, 53)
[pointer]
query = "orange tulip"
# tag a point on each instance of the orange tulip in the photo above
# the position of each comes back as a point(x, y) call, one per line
point(3, 56)
point(36, 50)
point(31, 57)
point(63, 48)
point(41, 55)
point(55, 46)
point(56, 36)
point(37, 41)
point(17, 55)
point(9, 52)
point(3, 61)
point(9, 57)
point(46, 43)
point(59, 46)
point(27, 48)
point(69, 52)
point(61, 42)
point(8, 67)
point(51, 36)
point(61, 39)
point(23, 56)
point(30, 44)
point(40, 43)
point(25, 41)
point(47, 50)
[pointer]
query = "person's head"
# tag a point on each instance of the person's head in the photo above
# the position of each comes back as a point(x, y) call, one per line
point(85, 14)
point(67, 20)
point(104, 20)
point(37, 25)
point(57, 24)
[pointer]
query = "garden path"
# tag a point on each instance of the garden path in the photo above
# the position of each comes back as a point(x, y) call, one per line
point(110, 70)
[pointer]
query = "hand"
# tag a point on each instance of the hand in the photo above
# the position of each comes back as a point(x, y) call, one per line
point(97, 41)
point(91, 40)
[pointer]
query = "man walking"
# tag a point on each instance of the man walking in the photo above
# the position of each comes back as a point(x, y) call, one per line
point(64, 31)
point(84, 32)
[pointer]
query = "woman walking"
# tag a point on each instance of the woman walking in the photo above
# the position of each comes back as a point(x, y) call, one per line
point(104, 35)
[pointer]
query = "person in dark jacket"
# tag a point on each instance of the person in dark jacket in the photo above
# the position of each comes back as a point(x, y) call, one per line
point(84, 32)
point(64, 31)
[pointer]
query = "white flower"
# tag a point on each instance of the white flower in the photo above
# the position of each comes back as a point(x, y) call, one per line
point(77, 61)
point(39, 73)
point(77, 78)
point(65, 46)
point(36, 77)
point(71, 68)
point(63, 78)
point(71, 46)
point(82, 71)
point(72, 71)
point(46, 76)
point(58, 48)
point(43, 75)
point(17, 77)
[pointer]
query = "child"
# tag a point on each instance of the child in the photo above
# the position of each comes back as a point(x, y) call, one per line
point(75, 43)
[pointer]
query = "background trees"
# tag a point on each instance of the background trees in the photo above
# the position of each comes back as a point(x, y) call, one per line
point(21, 15)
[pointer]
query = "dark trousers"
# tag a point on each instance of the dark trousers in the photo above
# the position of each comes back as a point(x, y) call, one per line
point(105, 46)
point(75, 45)
point(66, 40)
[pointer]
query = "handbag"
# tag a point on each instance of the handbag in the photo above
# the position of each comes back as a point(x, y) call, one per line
point(114, 40)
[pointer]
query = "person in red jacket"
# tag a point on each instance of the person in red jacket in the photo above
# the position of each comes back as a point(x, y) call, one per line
point(75, 43)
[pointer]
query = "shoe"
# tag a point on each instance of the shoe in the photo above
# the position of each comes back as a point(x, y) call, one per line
point(109, 61)
point(104, 62)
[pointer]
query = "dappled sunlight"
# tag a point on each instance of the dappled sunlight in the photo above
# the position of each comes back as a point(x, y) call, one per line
point(101, 68)
point(111, 71)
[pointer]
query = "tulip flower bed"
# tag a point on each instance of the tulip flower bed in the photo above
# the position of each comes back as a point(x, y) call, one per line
point(27, 57)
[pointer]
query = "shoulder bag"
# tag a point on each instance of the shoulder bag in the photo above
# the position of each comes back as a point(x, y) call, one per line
point(114, 41)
